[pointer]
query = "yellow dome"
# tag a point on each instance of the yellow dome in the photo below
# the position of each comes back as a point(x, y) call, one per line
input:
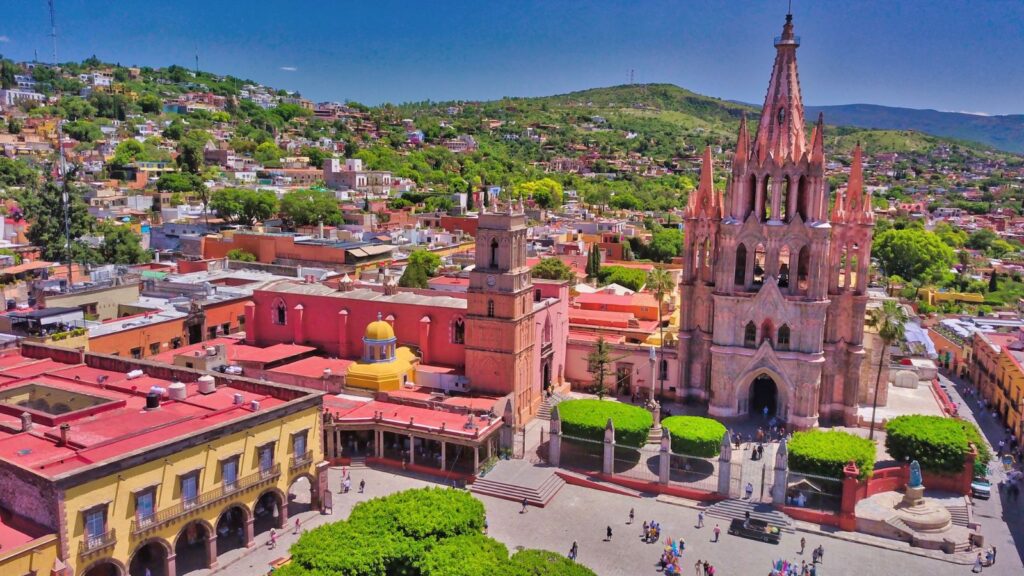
point(379, 330)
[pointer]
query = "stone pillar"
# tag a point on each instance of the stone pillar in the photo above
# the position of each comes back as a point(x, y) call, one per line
point(171, 564)
point(298, 335)
point(847, 516)
point(343, 333)
point(425, 339)
point(250, 323)
point(250, 532)
point(211, 550)
point(664, 457)
point(282, 514)
point(331, 434)
point(725, 466)
point(476, 459)
point(412, 449)
point(608, 462)
point(781, 476)
point(968, 473)
point(444, 463)
point(379, 444)
point(555, 442)
point(319, 481)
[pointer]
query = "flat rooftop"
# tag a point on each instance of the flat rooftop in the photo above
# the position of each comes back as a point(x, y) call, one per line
point(440, 300)
point(106, 412)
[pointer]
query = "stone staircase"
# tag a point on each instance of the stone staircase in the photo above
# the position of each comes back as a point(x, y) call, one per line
point(732, 509)
point(959, 515)
point(357, 462)
point(535, 496)
point(544, 412)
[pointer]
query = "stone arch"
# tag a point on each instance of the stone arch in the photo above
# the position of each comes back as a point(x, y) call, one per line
point(759, 264)
point(784, 197)
point(232, 527)
point(494, 253)
point(458, 330)
point(782, 338)
point(269, 510)
point(302, 499)
point(104, 567)
point(768, 332)
point(784, 266)
point(750, 335)
point(279, 312)
point(750, 197)
point(740, 272)
point(803, 198)
point(803, 267)
point(198, 553)
point(706, 260)
point(782, 386)
point(765, 209)
point(142, 557)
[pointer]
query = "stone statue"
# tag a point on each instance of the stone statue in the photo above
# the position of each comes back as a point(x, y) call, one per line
point(915, 475)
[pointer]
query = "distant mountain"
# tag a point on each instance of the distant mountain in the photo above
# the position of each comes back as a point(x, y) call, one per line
point(1001, 132)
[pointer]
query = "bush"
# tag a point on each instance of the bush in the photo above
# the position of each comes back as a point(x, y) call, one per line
point(588, 418)
point(694, 435)
point(632, 278)
point(936, 442)
point(825, 453)
point(425, 532)
point(241, 255)
point(543, 563)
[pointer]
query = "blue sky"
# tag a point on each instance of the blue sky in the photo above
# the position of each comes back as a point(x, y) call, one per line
point(944, 54)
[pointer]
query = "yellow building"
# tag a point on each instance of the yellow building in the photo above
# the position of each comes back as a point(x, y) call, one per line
point(130, 470)
point(385, 367)
point(1009, 389)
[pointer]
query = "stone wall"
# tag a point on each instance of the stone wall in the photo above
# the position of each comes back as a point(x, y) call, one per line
point(29, 496)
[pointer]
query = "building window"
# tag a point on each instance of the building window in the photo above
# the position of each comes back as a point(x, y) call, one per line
point(280, 313)
point(299, 443)
point(459, 332)
point(229, 472)
point(225, 328)
point(95, 522)
point(145, 505)
point(176, 343)
point(750, 335)
point(490, 308)
point(536, 296)
point(190, 489)
point(137, 353)
point(241, 320)
point(783, 338)
point(494, 253)
point(266, 457)
point(663, 369)
point(154, 348)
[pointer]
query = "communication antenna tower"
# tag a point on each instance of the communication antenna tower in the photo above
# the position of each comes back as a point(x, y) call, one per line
point(62, 166)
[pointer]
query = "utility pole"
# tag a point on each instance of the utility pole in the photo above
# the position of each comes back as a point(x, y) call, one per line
point(62, 167)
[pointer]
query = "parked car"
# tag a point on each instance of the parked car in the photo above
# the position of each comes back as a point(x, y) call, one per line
point(981, 488)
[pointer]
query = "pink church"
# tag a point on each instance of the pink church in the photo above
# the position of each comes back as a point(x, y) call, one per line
point(507, 335)
point(774, 283)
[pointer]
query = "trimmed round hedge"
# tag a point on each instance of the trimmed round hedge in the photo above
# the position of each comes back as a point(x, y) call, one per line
point(936, 442)
point(695, 435)
point(826, 453)
point(587, 418)
point(423, 532)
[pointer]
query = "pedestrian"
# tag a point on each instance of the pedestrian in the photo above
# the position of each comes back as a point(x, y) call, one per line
point(700, 519)
point(645, 533)
point(630, 516)
point(698, 568)
point(346, 485)
point(707, 566)
point(296, 531)
point(717, 531)
point(977, 564)
point(711, 570)
point(362, 486)
point(764, 412)
point(609, 537)
point(272, 542)
point(523, 511)
point(749, 490)
point(803, 542)
point(821, 553)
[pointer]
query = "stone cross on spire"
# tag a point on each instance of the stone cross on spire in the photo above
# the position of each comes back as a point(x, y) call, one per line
point(780, 133)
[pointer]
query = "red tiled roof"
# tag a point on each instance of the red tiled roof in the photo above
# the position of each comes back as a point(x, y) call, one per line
point(314, 366)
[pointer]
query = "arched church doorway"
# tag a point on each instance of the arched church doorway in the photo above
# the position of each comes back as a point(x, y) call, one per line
point(546, 375)
point(763, 394)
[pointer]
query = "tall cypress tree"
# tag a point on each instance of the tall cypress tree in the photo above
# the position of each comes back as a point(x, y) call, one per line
point(993, 282)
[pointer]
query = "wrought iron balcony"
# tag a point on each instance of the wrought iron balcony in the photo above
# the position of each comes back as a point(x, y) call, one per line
point(225, 490)
point(300, 460)
point(95, 543)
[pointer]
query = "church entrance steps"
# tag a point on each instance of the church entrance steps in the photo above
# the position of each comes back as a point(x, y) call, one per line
point(517, 479)
point(736, 509)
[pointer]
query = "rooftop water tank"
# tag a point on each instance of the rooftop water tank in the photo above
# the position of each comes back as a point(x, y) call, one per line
point(207, 385)
point(177, 391)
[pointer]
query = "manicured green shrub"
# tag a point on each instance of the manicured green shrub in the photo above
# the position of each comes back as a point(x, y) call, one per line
point(425, 532)
point(587, 419)
point(543, 563)
point(694, 435)
point(936, 442)
point(825, 453)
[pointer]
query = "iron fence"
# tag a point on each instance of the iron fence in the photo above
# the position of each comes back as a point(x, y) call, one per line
point(581, 454)
point(814, 492)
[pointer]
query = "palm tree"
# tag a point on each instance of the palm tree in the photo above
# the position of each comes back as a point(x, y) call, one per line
point(889, 321)
point(660, 282)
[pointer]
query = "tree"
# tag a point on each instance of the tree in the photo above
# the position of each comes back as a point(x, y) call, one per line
point(552, 269)
point(981, 239)
point(469, 199)
point(16, 173)
point(316, 155)
point(660, 283)
point(306, 207)
point(543, 199)
point(127, 152)
point(7, 80)
point(190, 155)
point(888, 321)
point(44, 208)
point(414, 277)
point(150, 103)
point(438, 204)
point(597, 364)
point(627, 251)
point(175, 130)
point(241, 255)
point(594, 262)
point(666, 244)
point(121, 245)
point(912, 253)
point(83, 131)
point(244, 206)
point(267, 152)
point(993, 282)
point(551, 191)
point(426, 260)
point(178, 182)
point(76, 108)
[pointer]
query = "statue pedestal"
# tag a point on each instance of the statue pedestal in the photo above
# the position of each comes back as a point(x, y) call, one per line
point(914, 496)
point(921, 514)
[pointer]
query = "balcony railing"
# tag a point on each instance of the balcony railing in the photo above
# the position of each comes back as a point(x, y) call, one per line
point(94, 543)
point(303, 459)
point(224, 490)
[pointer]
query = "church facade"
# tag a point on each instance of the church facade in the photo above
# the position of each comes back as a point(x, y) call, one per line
point(774, 279)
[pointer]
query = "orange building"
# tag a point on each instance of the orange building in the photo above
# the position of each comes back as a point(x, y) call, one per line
point(275, 249)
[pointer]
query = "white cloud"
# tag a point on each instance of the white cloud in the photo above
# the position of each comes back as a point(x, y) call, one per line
point(5, 39)
point(289, 68)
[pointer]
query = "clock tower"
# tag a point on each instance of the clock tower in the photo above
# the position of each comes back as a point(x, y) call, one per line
point(499, 328)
